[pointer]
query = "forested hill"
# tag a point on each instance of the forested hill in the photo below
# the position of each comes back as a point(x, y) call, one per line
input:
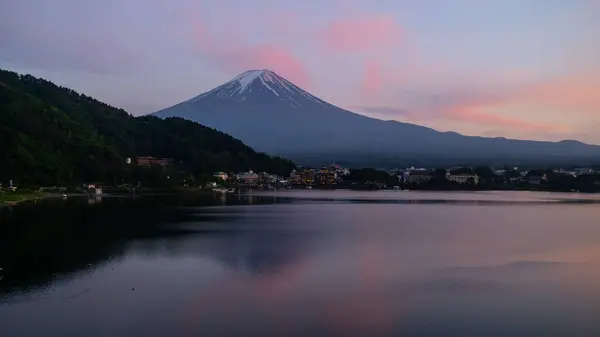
point(50, 134)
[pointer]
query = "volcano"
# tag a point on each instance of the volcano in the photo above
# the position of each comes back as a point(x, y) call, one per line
point(273, 115)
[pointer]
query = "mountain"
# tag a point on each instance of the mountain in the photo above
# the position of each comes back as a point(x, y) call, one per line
point(50, 135)
point(273, 115)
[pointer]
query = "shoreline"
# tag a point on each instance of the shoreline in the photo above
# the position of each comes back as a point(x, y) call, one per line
point(9, 199)
point(17, 198)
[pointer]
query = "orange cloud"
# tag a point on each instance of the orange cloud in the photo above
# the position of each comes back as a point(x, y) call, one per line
point(361, 35)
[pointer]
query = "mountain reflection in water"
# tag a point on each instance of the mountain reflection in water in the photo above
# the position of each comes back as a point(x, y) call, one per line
point(318, 263)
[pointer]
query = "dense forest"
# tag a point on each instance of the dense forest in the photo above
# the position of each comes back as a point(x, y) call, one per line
point(54, 135)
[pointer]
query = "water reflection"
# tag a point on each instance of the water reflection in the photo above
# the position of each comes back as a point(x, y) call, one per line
point(92, 200)
point(318, 266)
point(45, 244)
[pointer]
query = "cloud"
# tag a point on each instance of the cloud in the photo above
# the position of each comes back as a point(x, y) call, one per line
point(274, 57)
point(577, 95)
point(462, 106)
point(228, 50)
point(575, 92)
point(372, 78)
point(473, 115)
point(360, 34)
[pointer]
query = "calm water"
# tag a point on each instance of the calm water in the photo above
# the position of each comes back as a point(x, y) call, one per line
point(306, 263)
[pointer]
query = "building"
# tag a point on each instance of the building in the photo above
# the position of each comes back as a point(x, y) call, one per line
point(536, 179)
point(270, 178)
point(418, 177)
point(340, 171)
point(249, 177)
point(462, 175)
point(221, 175)
point(463, 178)
point(326, 176)
point(583, 171)
point(303, 177)
point(500, 173)
point(147, 161)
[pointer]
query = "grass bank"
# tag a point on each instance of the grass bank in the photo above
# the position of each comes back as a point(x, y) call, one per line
point(16, 197)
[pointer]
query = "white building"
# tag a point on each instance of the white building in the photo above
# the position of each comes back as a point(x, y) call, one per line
point(462, 178)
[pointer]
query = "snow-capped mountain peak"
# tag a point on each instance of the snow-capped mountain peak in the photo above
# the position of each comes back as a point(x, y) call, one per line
point(254, 84)
point(246, 78)
point(271, 114)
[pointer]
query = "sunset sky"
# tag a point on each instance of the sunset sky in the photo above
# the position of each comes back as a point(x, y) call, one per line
point(526, 69)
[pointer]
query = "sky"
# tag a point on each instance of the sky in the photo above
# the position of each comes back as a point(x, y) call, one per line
point(526, 69)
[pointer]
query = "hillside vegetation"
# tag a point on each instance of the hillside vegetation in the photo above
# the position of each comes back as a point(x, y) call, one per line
point(54, 135)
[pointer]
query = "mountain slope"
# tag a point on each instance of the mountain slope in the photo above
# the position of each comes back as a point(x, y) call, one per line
point(50, 134)
point(272, 114)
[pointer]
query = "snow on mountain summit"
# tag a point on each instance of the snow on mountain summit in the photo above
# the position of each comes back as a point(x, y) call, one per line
point(253, 84)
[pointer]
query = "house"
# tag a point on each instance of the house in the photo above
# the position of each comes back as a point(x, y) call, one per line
point(326, 176)
point(583, 171)
point(500, 173)
point(418, 177)
point(534, 180)
point(248, 177)
point(147, 161)
point(463, 178)
point(340, 171)
point(221, 175)
point(270, 178)
point(304, 176)
point(462, 175)
point(95, 189)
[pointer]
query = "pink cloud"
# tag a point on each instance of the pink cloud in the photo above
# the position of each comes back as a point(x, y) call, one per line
point(577, 95)
point(474, 115)
point(474, 108)
point(466, 106)
point(274, 57)
point(372, 80)
point(580, 92)
point(228, 51)
point(361, 35)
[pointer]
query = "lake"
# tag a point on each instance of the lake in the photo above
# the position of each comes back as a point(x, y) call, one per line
point(303, 263)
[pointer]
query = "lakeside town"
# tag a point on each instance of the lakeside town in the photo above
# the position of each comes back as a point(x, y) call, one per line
point(332, 176)
point(467, 178)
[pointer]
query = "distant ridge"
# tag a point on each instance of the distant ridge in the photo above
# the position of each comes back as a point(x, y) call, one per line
point(274, 115)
